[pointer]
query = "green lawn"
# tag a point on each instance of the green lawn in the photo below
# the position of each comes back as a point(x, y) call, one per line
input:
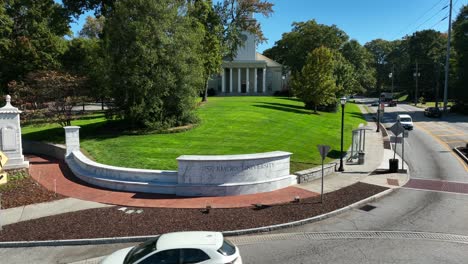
point(229, 125)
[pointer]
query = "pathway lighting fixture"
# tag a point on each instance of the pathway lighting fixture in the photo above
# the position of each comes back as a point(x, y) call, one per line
point(343, 102)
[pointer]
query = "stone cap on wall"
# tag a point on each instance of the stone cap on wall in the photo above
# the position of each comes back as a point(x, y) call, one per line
point(265, 155)
point(8, 108)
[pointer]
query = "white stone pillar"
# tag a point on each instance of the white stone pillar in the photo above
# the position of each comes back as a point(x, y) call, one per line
point(10, 136)
point(238, 80)
point(72, 139)
point(230, 80)
point(223, 81)
point(255, 80)
point(247, 82)
point(264, 80)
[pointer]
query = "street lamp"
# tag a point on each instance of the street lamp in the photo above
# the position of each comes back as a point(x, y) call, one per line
point(378, 114)
point(343, 102)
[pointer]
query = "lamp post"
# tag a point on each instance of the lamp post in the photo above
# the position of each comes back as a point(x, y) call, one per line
point(343, 102)
point(378, 115)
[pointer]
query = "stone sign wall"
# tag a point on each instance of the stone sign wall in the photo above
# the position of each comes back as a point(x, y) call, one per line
point(220, 175)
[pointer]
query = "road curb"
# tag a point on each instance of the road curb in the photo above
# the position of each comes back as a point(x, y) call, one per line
point(113, 240)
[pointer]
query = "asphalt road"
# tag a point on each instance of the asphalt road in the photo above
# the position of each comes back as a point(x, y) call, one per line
point(428, 154)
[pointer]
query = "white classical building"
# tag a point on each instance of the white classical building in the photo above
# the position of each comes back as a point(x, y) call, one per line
point(250, 73)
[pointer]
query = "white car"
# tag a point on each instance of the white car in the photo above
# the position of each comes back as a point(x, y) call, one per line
point(179, 248)
point(405, 121)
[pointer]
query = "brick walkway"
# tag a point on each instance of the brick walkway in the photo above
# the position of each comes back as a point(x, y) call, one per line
point(56, 176)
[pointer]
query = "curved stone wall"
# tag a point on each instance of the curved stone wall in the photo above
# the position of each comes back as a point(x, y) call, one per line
point(217, 175)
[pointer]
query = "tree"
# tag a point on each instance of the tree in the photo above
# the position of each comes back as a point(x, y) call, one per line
point(203, 12)
point(427, 48)
point(49, 94)
point(315, 84)
point(305, 37)
point(236, 17)
point(93, 27)
point(78, 7)
point(155, 64)
point(460, 40)
point(361, 59)
point(345, 76)
point(34, 37)
point(85, 57)
point(380, 49)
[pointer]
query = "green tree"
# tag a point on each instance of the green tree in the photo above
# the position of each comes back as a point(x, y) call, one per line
point(305, 37)
point(85, 57)
point(93, 27)
point(427, 48)
point(361, 59)
point(460, 44)
point(203, 12)
point(236, 17)
point(156, 69)
point(380, 49)
point(33, 35)
point(345, 76)
point(78, 7)
point(315, 84)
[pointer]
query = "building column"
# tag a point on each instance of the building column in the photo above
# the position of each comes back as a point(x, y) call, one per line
point(223, 81)
point(230, 80)
point(247, 79)
point(239, 80)
point(264, 80)
point(255, 78)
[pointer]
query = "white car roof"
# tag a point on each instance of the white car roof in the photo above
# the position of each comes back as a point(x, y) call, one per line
point(404, 115)
point(190, 239)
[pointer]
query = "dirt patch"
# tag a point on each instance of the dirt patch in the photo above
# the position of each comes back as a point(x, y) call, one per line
point(22, 190)
point(111, 222)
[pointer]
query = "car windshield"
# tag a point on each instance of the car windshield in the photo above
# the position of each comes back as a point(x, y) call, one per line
point(405, 119)
point(141, 250)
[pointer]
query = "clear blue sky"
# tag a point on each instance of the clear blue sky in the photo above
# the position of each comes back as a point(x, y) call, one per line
point(363, 20)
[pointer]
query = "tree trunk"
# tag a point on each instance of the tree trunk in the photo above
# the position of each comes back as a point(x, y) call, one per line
point(315, 109)
point(205, 94)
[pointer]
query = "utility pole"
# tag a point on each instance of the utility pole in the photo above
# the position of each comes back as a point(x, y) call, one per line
point(416, 75)
point(447, 59)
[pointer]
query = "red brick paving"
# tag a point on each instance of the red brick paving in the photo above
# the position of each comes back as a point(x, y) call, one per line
point(438, 185)
point(393, 182)
point(52, 173)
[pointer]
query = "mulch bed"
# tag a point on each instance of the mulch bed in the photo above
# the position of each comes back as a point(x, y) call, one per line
point(111, 222)
point(25, 191)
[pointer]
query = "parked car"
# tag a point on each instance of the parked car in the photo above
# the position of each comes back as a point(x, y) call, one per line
point(432, 111)
point(405, 121)
point(392, 103)
point(375, 103)
point(179, 248)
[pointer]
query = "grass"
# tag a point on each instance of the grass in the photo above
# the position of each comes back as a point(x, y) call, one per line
point(15, 177)
point(229, 125)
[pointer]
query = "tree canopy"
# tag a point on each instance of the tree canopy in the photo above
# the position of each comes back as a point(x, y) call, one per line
point(155, 65)
point(31, 35)
point(315, 84)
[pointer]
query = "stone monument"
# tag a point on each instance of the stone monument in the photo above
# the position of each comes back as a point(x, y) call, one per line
point(10, 136)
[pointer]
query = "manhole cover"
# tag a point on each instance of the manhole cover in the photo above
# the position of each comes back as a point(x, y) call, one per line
point(367, 207)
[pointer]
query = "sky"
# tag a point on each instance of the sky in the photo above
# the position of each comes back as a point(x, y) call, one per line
point(363, 20)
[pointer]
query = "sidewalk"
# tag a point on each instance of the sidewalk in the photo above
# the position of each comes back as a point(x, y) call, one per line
point(373, 171)
point(55, 174)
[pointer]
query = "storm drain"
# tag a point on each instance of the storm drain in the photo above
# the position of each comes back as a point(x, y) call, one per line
point(367, 208)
